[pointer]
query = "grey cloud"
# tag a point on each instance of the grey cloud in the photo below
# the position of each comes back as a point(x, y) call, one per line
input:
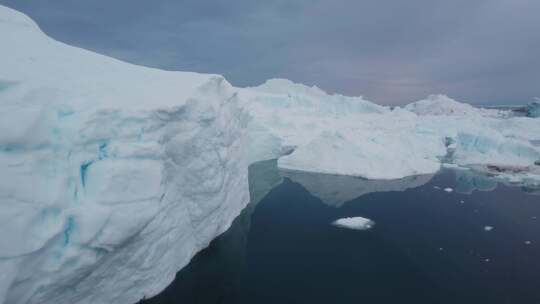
point(392, 52)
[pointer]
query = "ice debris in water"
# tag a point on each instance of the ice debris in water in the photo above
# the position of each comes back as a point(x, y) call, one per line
point(355, 223)
point(488, 228)
point(448, 190)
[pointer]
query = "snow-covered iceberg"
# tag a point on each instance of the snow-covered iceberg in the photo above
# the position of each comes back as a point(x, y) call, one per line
point(114, 175)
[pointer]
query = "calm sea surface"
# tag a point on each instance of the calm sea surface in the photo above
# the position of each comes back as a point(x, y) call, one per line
point(479, 243)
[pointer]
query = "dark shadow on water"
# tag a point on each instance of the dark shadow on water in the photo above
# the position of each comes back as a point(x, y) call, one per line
point(428, 245)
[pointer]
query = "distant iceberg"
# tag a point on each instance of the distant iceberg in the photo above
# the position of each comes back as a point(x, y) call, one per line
point(115, 175)
point(533, 109)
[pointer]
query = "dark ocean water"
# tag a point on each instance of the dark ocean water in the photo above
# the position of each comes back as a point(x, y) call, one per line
point(427, 246)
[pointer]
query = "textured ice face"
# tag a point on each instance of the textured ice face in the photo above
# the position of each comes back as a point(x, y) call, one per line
point(533, 109)
point(110, 181)
point(115, 175)
point(121, 205)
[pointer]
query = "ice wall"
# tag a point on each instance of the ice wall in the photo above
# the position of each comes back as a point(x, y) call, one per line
point(113, 175)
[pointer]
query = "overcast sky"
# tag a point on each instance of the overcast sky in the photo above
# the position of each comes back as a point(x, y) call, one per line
point(389, 51)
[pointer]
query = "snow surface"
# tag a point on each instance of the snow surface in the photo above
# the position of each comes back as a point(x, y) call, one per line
point(355, 223)
point(115, 175)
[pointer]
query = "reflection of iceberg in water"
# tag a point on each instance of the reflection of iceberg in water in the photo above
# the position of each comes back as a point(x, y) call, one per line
point(531, 189)
point(224, 267)
point(263, 176)
point(468, 181)
point(219, 267)
point(335, 190)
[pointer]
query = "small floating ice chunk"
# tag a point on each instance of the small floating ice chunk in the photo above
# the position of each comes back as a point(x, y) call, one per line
point(448, 165)
point(448, 190)
point(488, 228)
point(356, 223)
point(528, 242)
point(462, 202)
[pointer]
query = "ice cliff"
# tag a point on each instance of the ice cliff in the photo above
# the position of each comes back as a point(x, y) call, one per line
point(114, 175)
point(533, 109)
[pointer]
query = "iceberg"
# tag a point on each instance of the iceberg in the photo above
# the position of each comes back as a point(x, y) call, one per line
point(533, 109)
point(115, 175)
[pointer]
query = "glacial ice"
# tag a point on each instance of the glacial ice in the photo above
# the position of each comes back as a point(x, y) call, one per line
point(114, 175)
point(533, 109)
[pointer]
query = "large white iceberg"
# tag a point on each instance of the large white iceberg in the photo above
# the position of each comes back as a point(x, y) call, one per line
point(114, 175)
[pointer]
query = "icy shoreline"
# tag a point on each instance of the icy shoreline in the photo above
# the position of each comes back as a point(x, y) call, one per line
point(104, 161)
